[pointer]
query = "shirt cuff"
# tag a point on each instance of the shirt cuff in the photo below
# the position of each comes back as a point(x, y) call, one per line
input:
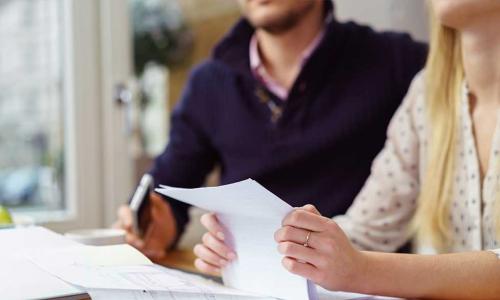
point(497, 252)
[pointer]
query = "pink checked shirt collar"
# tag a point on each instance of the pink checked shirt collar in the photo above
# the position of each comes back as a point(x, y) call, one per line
point(260, 72)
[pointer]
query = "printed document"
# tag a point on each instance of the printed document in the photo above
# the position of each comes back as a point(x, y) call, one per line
point(121, 269)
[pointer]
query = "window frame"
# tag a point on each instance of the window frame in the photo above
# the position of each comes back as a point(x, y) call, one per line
point(97, 54)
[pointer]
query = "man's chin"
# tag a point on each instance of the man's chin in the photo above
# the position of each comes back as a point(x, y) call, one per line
point(273, 25)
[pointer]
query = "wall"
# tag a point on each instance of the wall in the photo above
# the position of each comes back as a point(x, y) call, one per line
point(401, 15)
point(209, 21)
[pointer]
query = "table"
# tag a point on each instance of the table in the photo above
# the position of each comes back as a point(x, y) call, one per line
point(39, 284)
point(180, 259)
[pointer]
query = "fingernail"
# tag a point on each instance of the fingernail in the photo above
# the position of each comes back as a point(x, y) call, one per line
point(223, 262)
point(220, 235)
point(231, 255)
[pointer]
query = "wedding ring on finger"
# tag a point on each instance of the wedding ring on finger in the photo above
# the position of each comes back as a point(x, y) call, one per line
point(306, 243)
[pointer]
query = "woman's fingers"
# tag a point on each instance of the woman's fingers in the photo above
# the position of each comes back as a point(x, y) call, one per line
point(299, 268)
point(301, 218)
point(209, 220)
point(209, 256)
point(217, 246)
point(311, 208)
point(296, 235)
point(213, 253)
point(328, 260)
point(300, 253)
point(206, 267)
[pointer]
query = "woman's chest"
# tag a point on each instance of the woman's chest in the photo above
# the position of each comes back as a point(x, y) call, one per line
point(476, 179)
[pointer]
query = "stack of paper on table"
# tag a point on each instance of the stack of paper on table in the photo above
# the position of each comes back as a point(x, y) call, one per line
point(36, 263)
point(122, 270)
point(251, 214)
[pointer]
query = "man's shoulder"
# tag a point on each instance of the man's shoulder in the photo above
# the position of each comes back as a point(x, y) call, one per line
point(395, 52)
point(380, 40)
point(204, 83)
point(210, 69)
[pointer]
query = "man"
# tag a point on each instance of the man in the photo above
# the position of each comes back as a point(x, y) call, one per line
point(290, 98)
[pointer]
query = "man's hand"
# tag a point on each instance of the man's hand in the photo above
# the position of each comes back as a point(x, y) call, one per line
point(158, 225)
point(213, 254)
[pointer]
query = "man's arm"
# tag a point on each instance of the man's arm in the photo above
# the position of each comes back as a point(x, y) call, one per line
point(189, 155)
point(185, 162)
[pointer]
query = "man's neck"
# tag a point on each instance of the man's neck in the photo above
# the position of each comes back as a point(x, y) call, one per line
point(281, 52)
point(481, 56)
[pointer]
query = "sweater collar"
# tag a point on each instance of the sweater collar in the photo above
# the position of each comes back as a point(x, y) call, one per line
point(232, 50)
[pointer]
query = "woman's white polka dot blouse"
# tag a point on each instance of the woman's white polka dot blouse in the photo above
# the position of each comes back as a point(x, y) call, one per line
point(380, 215)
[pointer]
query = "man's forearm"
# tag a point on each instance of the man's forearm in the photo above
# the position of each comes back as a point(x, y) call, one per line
point(472, 275)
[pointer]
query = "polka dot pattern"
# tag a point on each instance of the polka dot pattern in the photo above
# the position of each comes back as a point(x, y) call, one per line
point(379, 217)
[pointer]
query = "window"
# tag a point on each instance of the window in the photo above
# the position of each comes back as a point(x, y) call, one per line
point(31, 105)
point(63, 155)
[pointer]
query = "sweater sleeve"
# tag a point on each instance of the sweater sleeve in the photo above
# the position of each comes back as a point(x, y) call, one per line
point(189, 156)
point(380, 214)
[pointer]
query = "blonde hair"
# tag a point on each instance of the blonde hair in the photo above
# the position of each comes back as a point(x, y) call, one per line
point(444, 84)
point(444, 79)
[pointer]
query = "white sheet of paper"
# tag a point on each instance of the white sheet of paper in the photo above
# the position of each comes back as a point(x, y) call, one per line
point(88, 256)
point(121, 270)
point(90, 266)
point(324, 294)
point(141, 278)
point(16, 239)
point(106, 294)
point(19, 277)
point(98, 294)
point(251, 214)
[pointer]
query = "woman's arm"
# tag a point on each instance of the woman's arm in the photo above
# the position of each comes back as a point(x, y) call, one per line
point(329, 259)
point(471, 275)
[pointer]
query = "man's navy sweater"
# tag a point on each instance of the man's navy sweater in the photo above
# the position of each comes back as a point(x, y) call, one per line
point(332, 127)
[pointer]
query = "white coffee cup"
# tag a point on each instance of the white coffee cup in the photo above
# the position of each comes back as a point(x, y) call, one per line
point(97, 237)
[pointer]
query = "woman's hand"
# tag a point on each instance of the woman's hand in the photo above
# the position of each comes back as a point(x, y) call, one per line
point(316, 248)
point(212, 254)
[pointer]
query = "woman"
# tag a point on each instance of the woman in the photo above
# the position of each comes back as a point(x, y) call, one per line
point(438, 177)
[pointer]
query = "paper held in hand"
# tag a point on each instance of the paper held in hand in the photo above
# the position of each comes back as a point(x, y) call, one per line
point(251, 215)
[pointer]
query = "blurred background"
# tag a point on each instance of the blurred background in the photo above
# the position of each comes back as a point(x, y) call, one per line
point(86, 89)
